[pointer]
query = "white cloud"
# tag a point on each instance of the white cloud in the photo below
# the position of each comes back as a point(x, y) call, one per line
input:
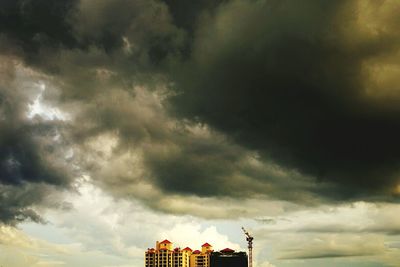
point(124, 229)
point(191, 234)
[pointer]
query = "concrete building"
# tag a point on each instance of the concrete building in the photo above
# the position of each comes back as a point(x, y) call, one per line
point(201, 258)
point(181, 258)
point(150, 257)
point(228, 258)
point(165, 256)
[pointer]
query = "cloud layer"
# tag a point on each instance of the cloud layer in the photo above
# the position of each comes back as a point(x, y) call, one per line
point(234, 100)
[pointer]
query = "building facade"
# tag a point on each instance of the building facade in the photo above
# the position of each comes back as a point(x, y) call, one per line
point(228, 258)
point(164, 255)
point(181, 258)
point(201, 258)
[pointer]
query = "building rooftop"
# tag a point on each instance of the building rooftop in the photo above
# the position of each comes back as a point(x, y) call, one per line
point(166, 241)
point(227, 250)
point(187, 248)
point(196, 252)
point(206, 245)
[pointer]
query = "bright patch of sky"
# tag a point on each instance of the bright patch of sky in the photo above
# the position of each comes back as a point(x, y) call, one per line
point(45, 111)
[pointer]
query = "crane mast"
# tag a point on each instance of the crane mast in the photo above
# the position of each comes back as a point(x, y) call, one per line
point(249, 240)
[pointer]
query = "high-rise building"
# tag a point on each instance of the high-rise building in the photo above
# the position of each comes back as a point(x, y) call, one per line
point(181, 258)
point(228, 258)
point(165, 256)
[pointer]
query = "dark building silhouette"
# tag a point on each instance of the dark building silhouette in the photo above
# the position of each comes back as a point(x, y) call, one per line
point(228, 258)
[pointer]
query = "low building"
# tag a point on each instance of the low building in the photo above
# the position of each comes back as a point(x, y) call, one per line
point(228, 258)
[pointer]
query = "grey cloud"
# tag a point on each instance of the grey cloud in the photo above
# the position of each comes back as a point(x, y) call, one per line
point(325, 254)
point(272, 221)
point(333, 246)
point(340, 228)
point(340, 231)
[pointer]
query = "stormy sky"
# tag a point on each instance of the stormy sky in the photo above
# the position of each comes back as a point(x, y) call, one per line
point(123, 122)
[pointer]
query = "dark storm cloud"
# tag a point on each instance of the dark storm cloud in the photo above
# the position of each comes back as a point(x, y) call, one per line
point(208, 166)
point(186, 14)
point(274, 94)
point(144, 25)
point(285, 78)
point(33, 24)
point(20, 159)
point(130, 37)
point(88, 48)
point(188, 167)
point(29, 158)
point(16, 202)
point(22, 141)
point(68, 24)
point(115, 107)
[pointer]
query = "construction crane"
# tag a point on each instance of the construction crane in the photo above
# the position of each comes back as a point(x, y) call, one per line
point(249, 240)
